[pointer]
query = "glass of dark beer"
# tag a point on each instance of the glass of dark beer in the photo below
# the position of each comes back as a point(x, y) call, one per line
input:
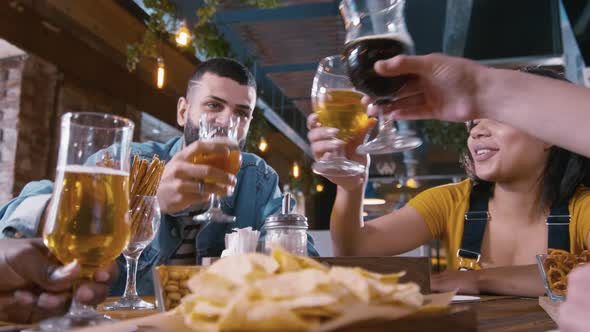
point(376, 30)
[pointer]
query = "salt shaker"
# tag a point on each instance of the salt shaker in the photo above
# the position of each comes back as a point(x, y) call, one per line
point(288, 230)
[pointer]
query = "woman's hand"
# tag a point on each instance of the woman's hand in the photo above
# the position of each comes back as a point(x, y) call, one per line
point(324, 143)
point(464, 282)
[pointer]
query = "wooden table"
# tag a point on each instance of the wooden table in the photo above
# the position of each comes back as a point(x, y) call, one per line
point(492, 314)
point(514, 314)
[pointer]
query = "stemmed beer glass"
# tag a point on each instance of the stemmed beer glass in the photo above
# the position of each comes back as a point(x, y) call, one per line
point(88, 219)
point(337, 105)
point(376, 30)
point(145, 221)
point(223, 129)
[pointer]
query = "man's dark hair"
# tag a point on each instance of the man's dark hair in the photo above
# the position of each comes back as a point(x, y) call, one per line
point(564, 171)
point(223, 67)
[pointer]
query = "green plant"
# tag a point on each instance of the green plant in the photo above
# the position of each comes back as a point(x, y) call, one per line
point(157, 28)
point(207, 38)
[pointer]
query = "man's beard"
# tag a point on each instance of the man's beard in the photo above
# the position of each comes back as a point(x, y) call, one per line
point(191, 134)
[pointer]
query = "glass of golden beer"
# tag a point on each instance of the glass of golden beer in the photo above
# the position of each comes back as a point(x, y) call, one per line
point(88, 219)
point(216, 127)
point(337, 105)
point(145, 221)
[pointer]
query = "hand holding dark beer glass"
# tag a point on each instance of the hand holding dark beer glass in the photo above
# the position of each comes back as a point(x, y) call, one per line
point(376, 30)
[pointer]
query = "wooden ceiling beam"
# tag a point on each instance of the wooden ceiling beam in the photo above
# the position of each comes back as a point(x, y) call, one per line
point(116, 28)
point(86, 51)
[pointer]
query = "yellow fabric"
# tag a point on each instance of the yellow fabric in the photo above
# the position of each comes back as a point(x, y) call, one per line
point(443, 209)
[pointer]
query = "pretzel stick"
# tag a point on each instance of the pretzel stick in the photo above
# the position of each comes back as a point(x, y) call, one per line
point(145, 178)
point(134, 171)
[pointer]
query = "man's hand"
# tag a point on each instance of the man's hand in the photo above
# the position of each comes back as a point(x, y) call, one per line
point(34, 286)
point(444, 88)
point(185, 183)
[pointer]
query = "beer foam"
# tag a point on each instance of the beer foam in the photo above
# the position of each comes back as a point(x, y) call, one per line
point(222, 140)
point(403, 38)
point(92, 170)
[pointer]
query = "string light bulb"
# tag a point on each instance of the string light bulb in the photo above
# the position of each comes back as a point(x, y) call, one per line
point(296, 170)
point(262, 145)
point(183, 35)
point(412, 183)
point(319, 187)
point(161, 73)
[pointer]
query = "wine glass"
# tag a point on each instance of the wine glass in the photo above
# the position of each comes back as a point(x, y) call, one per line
point(337, 105)
point(145, 222)
point(217, 127)
point(376, 30)
point(88, 219)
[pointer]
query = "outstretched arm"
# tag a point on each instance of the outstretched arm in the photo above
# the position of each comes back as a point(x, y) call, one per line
point(455, 89)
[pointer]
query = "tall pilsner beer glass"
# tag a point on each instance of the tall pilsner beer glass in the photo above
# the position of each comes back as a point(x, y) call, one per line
point(88, 219)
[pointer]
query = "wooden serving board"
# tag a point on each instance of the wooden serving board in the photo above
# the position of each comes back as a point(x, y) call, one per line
point(462, 320)
point(374, 319)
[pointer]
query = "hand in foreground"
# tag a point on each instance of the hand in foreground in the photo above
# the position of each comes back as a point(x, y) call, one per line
point(444, 87)
point(573, 313)
point(34, 286)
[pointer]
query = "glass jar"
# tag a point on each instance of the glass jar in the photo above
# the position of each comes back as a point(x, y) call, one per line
point(288, 230)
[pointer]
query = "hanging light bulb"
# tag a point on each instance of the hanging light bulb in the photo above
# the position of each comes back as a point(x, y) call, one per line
point(412, 183)
point(319, 187)
point(296, 170)
point(262, 145)
point(183, 35)
point(161, 73)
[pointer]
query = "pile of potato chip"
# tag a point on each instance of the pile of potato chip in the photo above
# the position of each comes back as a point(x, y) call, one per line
point(285, 292)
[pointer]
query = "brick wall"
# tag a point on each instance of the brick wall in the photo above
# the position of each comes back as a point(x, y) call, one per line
point(33, 96)
point(36, 122)
point(10, 82)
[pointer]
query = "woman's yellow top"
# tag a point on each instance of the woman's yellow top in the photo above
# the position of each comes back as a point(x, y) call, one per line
point(443, 209)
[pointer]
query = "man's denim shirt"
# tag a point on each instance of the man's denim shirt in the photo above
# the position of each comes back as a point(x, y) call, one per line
point(256, 197)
